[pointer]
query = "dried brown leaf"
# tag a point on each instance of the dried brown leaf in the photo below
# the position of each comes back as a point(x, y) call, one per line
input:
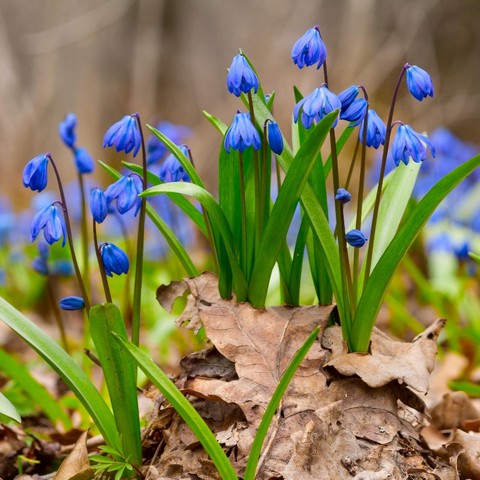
point(468, 461)
point(76, 464)
point(452, 412)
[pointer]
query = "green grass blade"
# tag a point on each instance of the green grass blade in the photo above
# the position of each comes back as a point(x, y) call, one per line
point(295, 278)
point(379, 279)
point(119, 373)
point(8, 410)
point(66, 368)
point(16, 371)
point(219, 225)
point(284, 208)
point(216, 122)
point(273, 405)
point(184, 408)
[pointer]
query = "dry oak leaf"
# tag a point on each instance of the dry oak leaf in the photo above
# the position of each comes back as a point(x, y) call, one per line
point(407, 363)
point(76, 465)
point(468, 457)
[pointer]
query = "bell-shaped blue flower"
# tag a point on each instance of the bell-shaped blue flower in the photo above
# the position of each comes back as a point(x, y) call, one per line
point(419, 82)
point(348, 96)
point(343, 196)
point(316, 105)
point(66, 129)
point(355, 112)
point(376, 130)
point(124, 135)
point(309, 49)
point(410, 144)
point(50, 220)
point(241, 77)
point(40, 265)
point(35, 173)
point(172, 170)
point(355, 238)
point(125, 191)
point(83, 161)
point(241, 134)
point(72, 303)
point(98, 205)
point(114, 259)
point(275, 138)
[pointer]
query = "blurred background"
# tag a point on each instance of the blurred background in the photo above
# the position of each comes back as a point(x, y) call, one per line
point(103, 59)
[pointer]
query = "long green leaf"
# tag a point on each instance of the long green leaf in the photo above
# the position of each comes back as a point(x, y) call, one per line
point(66, 368)
point(216, 122)
point(273, 405)
point(284, 208)
point(184, 408)
point(18, 372)
point(119, 373)
point(8, 410)
point(379, 279)
point(219, 225)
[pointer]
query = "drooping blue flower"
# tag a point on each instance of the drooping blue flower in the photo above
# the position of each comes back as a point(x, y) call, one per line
point(241, 134)
point(275, 138)
point(156, 150)
point(309, 49)
point(83, 160)
point(66, 129)
point(114, 259)
point(172, 170)
point(316, 105)
point(35, 173)
point(72, 303)
point(7, 220)
point(98, 205)
point(410, 144)
point(124, 135)
point(40, 265)
point(241, 77)
point(62, 267)
point(50, 220)
point(125, 191)
point(376, 130)
point(419, 82)
point(355, 238)
point(343, 196)
point(355, 112)
point(348, 96)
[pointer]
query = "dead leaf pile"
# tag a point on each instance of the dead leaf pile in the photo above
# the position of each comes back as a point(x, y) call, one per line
point(343, 416)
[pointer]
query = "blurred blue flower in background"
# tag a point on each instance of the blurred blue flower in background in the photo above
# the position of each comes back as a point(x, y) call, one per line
point(156, 150)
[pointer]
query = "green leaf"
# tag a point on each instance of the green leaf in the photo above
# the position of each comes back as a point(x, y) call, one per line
point(184, 408)
point(284, 208)
point(216, 122)
point(220, 226)
point(7, 409)
point(18, 372)
point(119, 373)
point(379, 279)
point(66, 368)
point(272, 406)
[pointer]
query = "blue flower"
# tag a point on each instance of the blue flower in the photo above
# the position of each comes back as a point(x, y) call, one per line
point(72, 303)
point(66, 129)
point(408, 143)
point(241, 77)
point(275, 139)
point(83, 161)
point(172, 170)
point(35, 173)
point(316, 105)
point(241, 134)
point(40, 265)
point(309, 49)
point(114, 259)
point(51, 221)
point(62, 267)
point(348, 96)
point(376, 130)
point(98, 205)
point(419, 82)
point(355, 112)
point(125, 191)
point(156, 150)
point(355, 238)
point(343, 196)
point(124, 135)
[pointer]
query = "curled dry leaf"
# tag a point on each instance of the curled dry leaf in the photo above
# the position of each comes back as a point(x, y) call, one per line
point(453, 411)
point(76, 465)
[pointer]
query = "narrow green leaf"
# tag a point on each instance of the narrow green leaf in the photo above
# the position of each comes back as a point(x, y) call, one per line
point(66, 368)
point(7, 409)
point(119, 373)
point(216, 122)
point(184, 408)
point(272, 406)
point(18, 372)
point(379, 279)
point(295, 279)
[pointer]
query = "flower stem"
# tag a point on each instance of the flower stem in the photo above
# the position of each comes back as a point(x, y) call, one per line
point(86, 269)
point(376, 206)
point(57, 314)
point(101, 267)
